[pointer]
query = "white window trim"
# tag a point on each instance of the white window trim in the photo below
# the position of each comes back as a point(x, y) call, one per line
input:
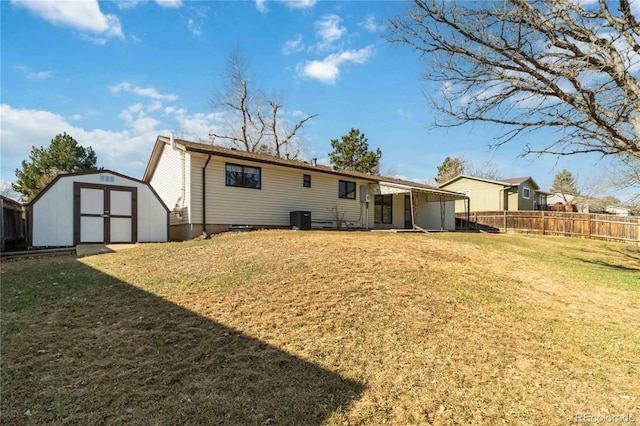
point(527, 189)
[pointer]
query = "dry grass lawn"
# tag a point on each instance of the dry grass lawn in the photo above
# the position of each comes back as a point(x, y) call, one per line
point(283, 327)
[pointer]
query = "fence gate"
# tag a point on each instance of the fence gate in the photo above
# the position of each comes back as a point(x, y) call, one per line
point(104, 213)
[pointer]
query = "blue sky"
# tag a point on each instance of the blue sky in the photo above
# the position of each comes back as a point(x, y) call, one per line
point(114, 75)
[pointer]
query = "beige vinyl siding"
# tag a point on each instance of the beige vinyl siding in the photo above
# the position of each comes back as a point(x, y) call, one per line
point(281, 192)
point(484, 196)
point(514, 198)
point(397, 208)
point(167, 182)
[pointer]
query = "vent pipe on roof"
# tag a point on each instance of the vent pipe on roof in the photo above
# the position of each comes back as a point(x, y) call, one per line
point(314, 162)
point(172, 140)
point(286, 156)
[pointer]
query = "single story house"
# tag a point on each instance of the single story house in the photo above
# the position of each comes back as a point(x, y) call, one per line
point(211, 189)
point(13, 223)
point(521, 193)
point(567, 203)
point(96, 207)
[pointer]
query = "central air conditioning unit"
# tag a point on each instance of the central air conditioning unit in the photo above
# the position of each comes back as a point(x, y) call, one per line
point(300, 220)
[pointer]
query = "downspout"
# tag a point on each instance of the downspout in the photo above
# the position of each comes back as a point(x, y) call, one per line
point(181, 199)
point(204, 198)
point(468, 203)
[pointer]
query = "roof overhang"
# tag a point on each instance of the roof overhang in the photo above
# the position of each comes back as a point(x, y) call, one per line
point(396, 188)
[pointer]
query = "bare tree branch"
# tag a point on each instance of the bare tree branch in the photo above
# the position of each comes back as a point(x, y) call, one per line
point(533, 64)
point(255, 122)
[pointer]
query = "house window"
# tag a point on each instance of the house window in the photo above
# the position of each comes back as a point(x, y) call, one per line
point(347, 190)
point(383, 209)
point(306, 181)
point(526, 193)
point(243, 176)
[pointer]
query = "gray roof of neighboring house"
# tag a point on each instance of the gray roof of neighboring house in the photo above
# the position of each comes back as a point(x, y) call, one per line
point(298, 164)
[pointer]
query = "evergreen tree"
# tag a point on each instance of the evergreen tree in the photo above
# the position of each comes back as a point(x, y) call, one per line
point(565, 185)
point(63, 155)
point(450, 168)
point(352, 153)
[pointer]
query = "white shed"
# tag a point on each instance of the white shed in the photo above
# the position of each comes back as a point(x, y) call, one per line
point(96, 207)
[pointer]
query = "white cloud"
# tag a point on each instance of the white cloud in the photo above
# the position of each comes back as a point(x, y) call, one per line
point(129, 4)
point(7, 190)
point(33, 75)
point(300, 4)
point(126, 151)
point(148, 92)
point(404, 113)
point(120, 151)
point(154, 106)
point(198, 126)
point(96, 40)
point(293, 46)
point(328, 70)
point(261, 6)
point(329, 30)
point(370, 24)
point(138, 121)
point(195, 30)
point(84, 16)
point(168, 4)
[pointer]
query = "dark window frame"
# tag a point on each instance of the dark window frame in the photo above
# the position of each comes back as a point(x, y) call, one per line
point(379, 209)
point(343, 189)
point(241, 178)
point(306, 181)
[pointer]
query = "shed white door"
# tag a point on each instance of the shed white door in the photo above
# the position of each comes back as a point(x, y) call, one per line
point(104, 214)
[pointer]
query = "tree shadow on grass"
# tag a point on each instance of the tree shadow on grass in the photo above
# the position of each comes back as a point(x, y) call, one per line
point(631, 253)
point(82, 347)
point(609, 265)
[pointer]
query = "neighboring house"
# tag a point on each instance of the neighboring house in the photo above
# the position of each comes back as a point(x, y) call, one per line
point(212, 189)
point(567, 203)
point(13, 223)
point(496, 195)
point(618, 211)
point(96, 207)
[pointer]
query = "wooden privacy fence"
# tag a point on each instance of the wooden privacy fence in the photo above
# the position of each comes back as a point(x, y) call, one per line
point(581, 225)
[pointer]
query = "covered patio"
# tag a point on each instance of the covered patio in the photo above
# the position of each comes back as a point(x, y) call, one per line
point(403, 206)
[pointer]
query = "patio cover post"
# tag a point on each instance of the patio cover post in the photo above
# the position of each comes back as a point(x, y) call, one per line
point(442, 213)
point(413, 216)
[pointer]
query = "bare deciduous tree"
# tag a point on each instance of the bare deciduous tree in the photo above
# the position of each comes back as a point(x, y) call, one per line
point(255, 122)
point(627, 178)
point(534, 64)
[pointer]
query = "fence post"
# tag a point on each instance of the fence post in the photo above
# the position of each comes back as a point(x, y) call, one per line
point(505, 221)
point(589, 226)
point(544, 227)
